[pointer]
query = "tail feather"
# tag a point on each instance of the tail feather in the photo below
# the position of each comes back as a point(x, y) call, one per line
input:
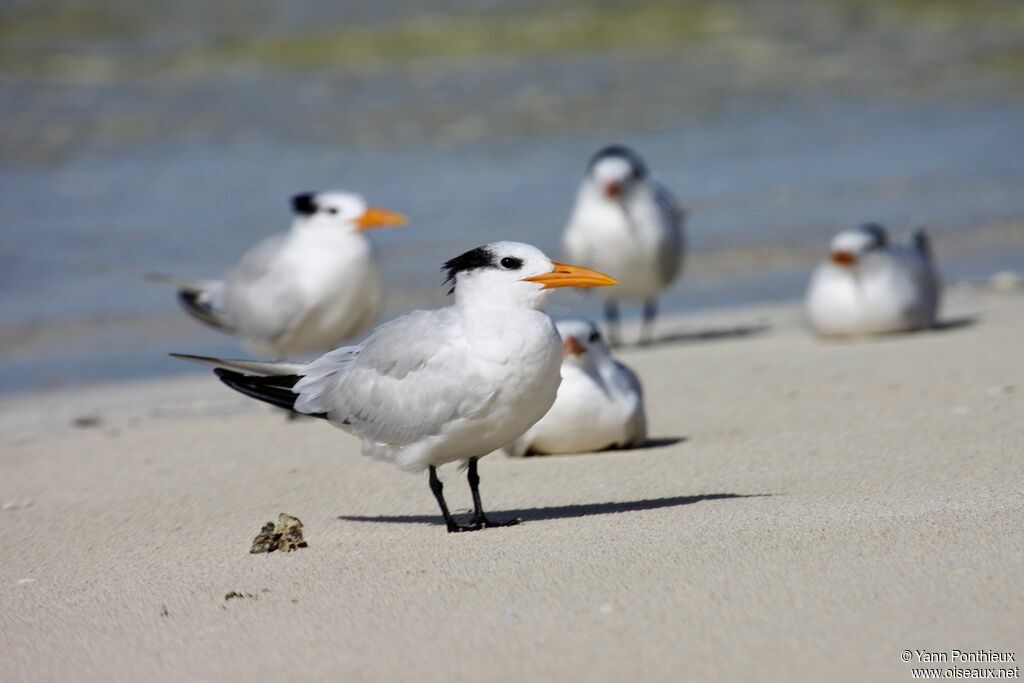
point(247, 367)
point(275, 390)
point(178, 282)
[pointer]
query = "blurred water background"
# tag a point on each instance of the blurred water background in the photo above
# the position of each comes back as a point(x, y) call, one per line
point(141, 135)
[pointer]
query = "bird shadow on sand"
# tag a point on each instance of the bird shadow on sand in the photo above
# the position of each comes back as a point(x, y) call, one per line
point(650, 444)
point(563, 511)
point(710, 334)
point(954, 324)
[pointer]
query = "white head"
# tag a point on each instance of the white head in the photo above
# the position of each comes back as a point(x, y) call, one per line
point(340, 211)
point(513, 275)
point(849, 247)
point(615, 172)
point(582, 343)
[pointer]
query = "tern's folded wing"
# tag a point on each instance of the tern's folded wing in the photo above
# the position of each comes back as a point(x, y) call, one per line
point(670, 254)
point(407, 381)
point(262, 296)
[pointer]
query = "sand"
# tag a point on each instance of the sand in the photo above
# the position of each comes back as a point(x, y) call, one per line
point(806, 511)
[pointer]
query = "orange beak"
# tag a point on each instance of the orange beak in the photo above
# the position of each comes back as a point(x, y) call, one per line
point(613, 190)
point(379, 218)
point(843, 258)
point(565, 275)
point(572, 347)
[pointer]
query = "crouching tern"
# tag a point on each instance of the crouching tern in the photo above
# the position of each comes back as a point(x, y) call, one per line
point(600, 403)
point(628, 225)
point(307, 290)
point(870, 286)
point(433, 387)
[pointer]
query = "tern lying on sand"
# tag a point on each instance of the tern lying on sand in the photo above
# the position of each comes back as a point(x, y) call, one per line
point(871, 286)
point(600, 403)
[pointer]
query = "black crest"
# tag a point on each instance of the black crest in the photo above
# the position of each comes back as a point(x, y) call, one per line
point(481, 257)
point(304, 204)
point(877, 233)
point(621, 152)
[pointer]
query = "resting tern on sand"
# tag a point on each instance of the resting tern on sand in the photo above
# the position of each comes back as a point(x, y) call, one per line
point(871, 286)
point(432, 387)
point(307, 290)
point(628, 225)
point(600, 403)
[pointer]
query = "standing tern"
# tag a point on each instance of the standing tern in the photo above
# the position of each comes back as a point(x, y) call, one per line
point(600, 403)
point(627, 224)
point(870, 286)
point(303, 291)
point(432, 387)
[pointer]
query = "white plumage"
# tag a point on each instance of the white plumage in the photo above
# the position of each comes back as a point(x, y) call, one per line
point(599, 405)
point(871, 286)
point(307, 290)
point(628, 225)
point(432, 387)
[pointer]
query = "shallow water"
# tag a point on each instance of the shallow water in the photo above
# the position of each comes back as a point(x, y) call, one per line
point(111, 176)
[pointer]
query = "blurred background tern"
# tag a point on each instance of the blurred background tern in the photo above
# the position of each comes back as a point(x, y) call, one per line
point(869, 285)
point(600, 402)
point(303, 291)
point(629, 225)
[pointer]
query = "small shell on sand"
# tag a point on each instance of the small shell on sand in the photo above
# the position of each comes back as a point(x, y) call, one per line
point(285, 536)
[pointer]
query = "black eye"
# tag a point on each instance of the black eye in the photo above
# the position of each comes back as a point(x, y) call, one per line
point(594, 336)
point(332, 210)
point(511, 263)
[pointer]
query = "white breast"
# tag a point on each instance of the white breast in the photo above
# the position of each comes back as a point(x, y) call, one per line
point(626, 243)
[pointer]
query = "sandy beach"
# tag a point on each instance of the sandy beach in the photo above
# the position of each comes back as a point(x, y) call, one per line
point(804, 511)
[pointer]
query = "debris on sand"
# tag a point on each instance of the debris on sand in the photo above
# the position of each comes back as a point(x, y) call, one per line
point(235, 594)
point(285, 536)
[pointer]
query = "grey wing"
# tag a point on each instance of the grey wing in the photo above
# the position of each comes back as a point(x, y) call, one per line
point(924, 274)
point(407, 381)
point(261, 296)
point(673, 247)
point(636, 428)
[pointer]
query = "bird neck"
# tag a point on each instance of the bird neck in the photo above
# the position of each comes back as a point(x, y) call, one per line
point(471, 300)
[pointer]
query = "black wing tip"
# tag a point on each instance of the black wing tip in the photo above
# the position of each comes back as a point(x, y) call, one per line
point(200, 311)
point(275, 389)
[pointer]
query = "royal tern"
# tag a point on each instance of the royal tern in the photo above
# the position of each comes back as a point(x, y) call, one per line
point(600, 403)
point(871, 286)
point(307, 290)
point(432, 387)
point(627, 224)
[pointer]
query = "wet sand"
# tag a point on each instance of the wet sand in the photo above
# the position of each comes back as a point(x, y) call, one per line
point(805, 511)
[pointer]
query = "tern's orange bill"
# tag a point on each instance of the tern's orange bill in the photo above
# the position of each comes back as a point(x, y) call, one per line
point(843, 258)
point(572, 347)
point(565, 275)
point(379, 218)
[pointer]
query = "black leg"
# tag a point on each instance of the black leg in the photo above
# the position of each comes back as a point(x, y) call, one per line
point(437, 488)
point(611, 315)
point(650, 313)
point(479, 519)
